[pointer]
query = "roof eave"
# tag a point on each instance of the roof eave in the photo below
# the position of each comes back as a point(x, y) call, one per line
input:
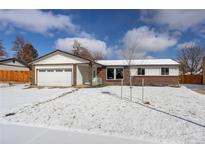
point(37, 59)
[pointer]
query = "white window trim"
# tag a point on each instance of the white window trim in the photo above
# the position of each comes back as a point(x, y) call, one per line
point(165, 74)
point(114, 73)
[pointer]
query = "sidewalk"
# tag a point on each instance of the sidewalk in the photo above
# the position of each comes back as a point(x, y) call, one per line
point(16, 134)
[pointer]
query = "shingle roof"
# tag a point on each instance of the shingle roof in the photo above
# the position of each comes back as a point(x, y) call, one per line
point(138, 62)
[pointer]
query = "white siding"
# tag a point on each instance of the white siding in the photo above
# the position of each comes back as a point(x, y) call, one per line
point(82, 74)
point(155, 70)
point(79, 76)
point(59, 58)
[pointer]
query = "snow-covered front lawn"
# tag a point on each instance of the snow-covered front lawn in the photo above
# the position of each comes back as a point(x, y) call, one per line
point(175, 115)
point(19, 95)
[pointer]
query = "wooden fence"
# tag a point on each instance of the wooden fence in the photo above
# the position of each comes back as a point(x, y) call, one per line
point(15, 76)
point(191, 79)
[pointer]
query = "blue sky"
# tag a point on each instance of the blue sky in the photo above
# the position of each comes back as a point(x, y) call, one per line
point(152, 33)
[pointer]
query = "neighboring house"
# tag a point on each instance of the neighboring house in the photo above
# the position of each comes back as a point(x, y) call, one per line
point(60, 68)
point(12, 64)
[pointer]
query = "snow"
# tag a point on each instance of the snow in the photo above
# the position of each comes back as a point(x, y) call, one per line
point(3, 85)
point(175, 115)
point(18, 95)
point(138, 62)
point(16, 134)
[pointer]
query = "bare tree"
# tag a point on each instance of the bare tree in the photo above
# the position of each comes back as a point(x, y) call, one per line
point(190, 58)
point(18, 44)
point(28, 53)
point(85, 53)
point(76, 47)
point(98, 55)
point(2, 49)
point(25, 52)
point(129, 56)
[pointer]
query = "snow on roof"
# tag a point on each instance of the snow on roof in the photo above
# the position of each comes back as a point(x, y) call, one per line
point(138, 62)
point(3, 57)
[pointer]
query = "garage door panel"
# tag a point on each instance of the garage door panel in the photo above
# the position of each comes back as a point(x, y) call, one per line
point(54, 77)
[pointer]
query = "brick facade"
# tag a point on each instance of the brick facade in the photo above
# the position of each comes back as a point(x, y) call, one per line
point(137, 80)
point(156, 80)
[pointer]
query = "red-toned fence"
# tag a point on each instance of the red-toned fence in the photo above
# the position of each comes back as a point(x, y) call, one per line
point(191, 79)
point(15, 76)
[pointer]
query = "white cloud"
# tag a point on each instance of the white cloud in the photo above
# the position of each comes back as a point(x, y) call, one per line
point(37, 21)
point(90, 43)
point(149, 57)
point(145, 40)
point(186, 44)
point(175, 19)
point(84, 34)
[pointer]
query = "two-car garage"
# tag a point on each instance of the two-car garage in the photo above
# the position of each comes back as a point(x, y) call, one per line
point(54, 77)
point(60, 69)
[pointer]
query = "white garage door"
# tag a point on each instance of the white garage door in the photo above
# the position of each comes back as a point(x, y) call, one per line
point(54, 77)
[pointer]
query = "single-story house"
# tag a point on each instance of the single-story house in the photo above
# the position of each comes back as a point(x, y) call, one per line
point(60, 68)
point(12, 64)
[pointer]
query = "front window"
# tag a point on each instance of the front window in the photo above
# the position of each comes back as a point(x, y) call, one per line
point(164, 71)
point(110, 73)
point(119, 73)
point(114, 73)
point(141, 71)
